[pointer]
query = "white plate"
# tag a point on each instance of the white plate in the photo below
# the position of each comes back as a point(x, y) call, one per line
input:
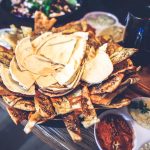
point(2, 42)
point(141, 135)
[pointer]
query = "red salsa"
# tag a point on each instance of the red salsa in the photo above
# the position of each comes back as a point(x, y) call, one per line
point(114, 133)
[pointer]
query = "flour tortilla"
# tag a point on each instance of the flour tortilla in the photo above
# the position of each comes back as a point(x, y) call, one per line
point(38, 65)
point(73, 65)
point(23, 49)
point(13, 85)
point(97, 69)
point(24, 78)
point(58, 49)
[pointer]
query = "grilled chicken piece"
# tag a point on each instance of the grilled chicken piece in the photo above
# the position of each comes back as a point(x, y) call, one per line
point(44, 106)
point(72, 124)
point(109, 86)
point(34, 118)
point(122, 103)
point(61, 105)
point(17, 115)
point(105, 99)
point(19, 102)
point(88, 111)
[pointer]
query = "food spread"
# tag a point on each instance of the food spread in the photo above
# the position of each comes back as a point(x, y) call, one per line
point(65, 71)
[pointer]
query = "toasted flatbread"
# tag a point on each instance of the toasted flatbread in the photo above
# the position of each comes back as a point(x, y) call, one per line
point(42, 23)
point(121, 103)
point(17, 115)
point(109, 86)
point(13, 85)
point(88, 111)
point(5, 92)
point(106, 98)
point(44, 106)
point(34, 118)
point(55, 94)
point(121, 55)
point(19, 103)
point(61, 105)
point(72, 124)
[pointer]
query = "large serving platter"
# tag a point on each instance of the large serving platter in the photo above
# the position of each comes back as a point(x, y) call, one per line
point(57, 122)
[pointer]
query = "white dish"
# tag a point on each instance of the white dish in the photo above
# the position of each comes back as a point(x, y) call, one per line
point(141, 135)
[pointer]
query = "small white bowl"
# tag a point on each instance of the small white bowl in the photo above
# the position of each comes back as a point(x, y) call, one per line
point(99, 13)
point(128, 119)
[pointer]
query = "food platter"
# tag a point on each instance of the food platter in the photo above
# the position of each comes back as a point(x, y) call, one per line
point(40, 85)
point(141, 135)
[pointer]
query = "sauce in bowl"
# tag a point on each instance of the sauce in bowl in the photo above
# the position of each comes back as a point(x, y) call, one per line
point(114, 133)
